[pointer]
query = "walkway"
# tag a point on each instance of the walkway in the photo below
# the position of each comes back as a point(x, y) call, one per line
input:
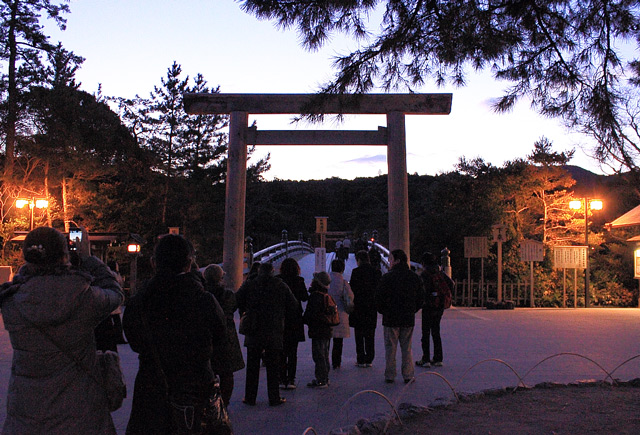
point(522, 338)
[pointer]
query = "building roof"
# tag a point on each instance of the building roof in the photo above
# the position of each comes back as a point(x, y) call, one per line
point(629, 219)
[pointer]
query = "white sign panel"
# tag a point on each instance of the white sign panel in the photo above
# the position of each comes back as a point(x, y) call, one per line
point(531, 250)
point(636, 263)
point(476, 247)
point(321, 259)
point(570, 257)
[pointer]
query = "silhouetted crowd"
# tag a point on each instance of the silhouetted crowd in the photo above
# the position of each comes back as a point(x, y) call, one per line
point(59, 312)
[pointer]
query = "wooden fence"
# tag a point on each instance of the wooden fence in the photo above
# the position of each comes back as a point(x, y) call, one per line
point(475, 294)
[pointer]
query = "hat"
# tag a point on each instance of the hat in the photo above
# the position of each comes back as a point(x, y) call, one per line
point(323, 278)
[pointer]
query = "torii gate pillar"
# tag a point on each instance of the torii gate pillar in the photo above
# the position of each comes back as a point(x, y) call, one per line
point(236, 186)
point(238, 106)
point(397, 183)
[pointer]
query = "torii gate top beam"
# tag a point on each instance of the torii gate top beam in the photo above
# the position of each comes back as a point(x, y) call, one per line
point(363, 104)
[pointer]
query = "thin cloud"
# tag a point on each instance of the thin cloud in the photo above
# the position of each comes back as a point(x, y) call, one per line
point(380, 158)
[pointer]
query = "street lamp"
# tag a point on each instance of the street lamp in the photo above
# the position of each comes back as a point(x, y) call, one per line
point(32, 203)
point(133, 248)
point(588, 204)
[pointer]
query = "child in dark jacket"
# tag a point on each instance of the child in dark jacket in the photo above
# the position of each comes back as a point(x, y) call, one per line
point(319, 330)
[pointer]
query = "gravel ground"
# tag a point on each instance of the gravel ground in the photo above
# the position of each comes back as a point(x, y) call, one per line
point(589, 408)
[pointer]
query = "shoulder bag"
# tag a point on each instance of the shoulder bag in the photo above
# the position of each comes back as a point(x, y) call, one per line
point(346, 299)
point(210, 417)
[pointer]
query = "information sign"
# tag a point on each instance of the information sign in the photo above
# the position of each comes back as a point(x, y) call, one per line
point(531, 250)
point(476, 247)
point(570, 257)
point(321, 259)
point(321, 224)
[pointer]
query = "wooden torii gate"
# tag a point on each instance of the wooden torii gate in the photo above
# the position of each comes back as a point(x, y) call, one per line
point(239, 106)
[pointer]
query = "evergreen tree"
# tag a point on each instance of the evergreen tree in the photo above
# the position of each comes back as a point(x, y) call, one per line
point(21, 41)
point(204, 141)
point(551, 185)
point(75, 140)
point(189, 150)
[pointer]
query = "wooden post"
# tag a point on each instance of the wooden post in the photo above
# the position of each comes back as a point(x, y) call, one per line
point(532, 301)
point(233, 245)
point(575, 288)
point(398, 184)
point(482, 285)
point(564, 288)
point(499, 271)
point(468, 298)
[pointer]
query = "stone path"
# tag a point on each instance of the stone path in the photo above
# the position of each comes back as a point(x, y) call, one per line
point(520, 338)
point(482, 350)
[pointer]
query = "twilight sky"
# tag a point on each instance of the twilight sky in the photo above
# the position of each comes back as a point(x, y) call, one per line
point(130, 44)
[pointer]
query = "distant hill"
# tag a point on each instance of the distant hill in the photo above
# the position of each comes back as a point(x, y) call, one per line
point(616, 190)
point(587, 183)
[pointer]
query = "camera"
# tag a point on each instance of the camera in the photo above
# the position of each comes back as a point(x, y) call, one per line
point(75, 237)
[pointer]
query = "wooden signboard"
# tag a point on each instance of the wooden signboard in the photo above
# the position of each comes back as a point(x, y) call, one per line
point(531, 250)
point(321, 224)
point(321, 259)
point(570, 257)
point(476, 247)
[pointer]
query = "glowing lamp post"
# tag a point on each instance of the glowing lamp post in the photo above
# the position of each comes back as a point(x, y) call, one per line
point(32, 203)
point(588, 204)
point(133, 249)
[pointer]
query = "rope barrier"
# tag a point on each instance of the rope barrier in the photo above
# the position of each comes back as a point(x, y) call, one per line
point(571, 354)
point(493, 360)
point(453, 388)
point(377, 393)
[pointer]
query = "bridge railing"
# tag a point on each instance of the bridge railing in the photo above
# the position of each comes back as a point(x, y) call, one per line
point(384, 254)
point(280, 251)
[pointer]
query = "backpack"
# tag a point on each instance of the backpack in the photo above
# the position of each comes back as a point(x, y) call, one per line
point(330, 314)
point(441, 286)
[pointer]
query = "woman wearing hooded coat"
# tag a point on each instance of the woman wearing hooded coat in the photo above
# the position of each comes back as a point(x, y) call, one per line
point(50, 311)
point(340, 291)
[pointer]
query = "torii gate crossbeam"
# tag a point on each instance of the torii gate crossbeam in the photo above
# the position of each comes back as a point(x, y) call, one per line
point(239, 106)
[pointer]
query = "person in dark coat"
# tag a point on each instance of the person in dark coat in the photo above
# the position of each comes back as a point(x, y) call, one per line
point(271, 301)
point(293, 326)
point(229, 359)
point(375, 257)
point(399, 297)
point(174, 320)
point(432, 311)
point(364, 318)
point(319, 331)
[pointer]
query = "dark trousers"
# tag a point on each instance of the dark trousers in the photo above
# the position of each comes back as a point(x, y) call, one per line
point(226, 386)
point(336, 352)
point(320, 355)
point(272, 363)
point(289, 362)
point(365, 345)
point(431, 328)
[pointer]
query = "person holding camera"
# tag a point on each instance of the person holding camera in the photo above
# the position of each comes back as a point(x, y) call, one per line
point(50, 311)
